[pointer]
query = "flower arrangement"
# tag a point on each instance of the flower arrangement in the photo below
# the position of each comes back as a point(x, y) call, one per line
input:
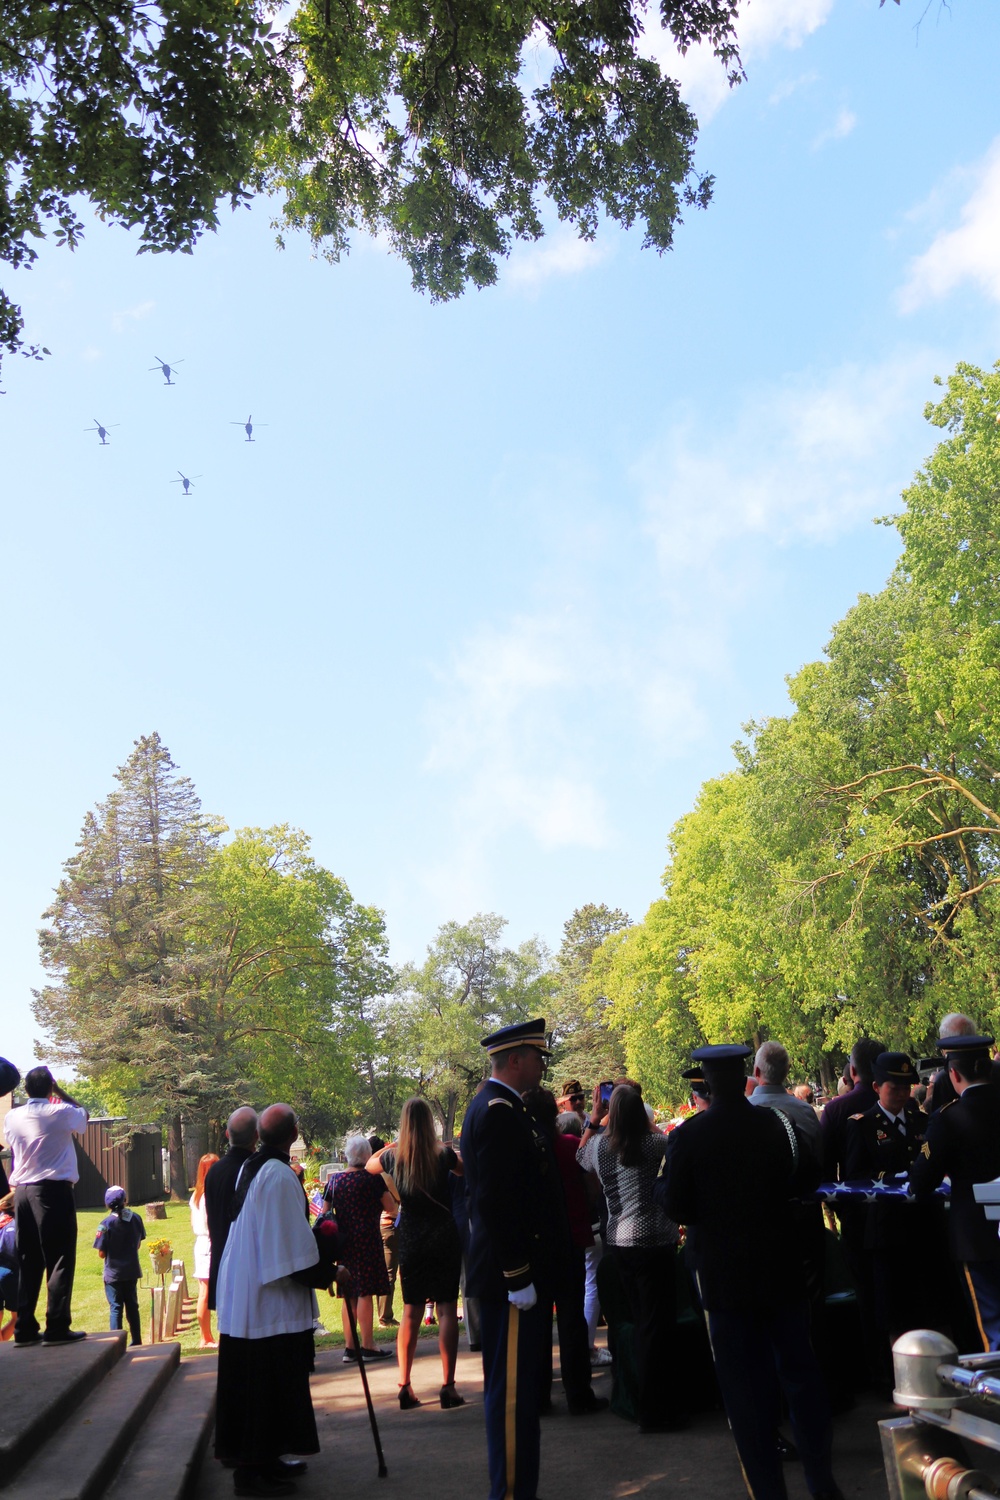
point(160, 1253)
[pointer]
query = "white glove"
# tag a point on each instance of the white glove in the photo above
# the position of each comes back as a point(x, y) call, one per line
point(524, 1299)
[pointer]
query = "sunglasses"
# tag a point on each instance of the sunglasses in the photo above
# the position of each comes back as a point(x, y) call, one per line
point(571, 1097)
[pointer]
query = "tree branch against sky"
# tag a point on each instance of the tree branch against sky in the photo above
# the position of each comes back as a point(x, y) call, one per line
point(412, 122)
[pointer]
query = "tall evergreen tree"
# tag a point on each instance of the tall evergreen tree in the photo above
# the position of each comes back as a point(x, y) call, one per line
point(124, 996)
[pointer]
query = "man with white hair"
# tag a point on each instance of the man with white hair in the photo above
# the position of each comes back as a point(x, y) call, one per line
point(942, 1090)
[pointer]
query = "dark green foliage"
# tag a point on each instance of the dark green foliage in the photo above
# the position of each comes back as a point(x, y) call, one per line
point(409, 118)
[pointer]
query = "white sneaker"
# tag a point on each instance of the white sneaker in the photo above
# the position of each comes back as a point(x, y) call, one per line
point(600, 1357)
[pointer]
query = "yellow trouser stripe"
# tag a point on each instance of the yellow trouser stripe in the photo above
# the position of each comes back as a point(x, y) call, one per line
point(975, 1308)
point(511, 1424)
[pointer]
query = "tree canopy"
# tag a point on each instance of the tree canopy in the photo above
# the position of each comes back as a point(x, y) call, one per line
point(845, 879)
point(189, 975)
point(416, 121)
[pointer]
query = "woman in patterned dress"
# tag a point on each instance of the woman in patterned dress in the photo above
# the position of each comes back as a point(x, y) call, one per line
point(358, 1201)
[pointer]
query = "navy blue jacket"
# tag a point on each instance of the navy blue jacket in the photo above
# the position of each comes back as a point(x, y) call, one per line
point(514, 1195)
point(963, 1143)
point(728, 1176)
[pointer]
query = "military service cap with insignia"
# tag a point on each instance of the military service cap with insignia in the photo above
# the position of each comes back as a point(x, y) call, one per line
point(524, 1034)
point(894, 1067)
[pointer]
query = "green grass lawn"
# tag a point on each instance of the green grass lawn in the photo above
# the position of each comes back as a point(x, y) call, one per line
point(90, 1307)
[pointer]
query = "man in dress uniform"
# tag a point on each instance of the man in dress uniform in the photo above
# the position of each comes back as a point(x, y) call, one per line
point(729, 1176)
point(904, 1240)
point(510, 1174)
point(963, 1143)
point(701, 1096)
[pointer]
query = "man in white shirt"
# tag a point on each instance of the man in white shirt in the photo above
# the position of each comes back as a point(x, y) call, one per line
point(266, 1309)
point(40, 1134)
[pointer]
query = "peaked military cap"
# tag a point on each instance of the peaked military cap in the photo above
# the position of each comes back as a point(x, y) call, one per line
point(948, 1044)
point(894, 1067)
point(729, 1055)
point(696, 1078)
point(9, 1077)
point(524, 1034)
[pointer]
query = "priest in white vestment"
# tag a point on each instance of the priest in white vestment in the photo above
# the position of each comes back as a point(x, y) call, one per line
point(266, 1318)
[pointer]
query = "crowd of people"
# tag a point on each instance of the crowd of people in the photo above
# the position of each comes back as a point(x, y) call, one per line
point(544, 1200)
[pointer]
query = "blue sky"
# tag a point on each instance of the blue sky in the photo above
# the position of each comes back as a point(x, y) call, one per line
point(499, 582)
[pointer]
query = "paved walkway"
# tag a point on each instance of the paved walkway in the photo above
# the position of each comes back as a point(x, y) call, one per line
point(441, 1455)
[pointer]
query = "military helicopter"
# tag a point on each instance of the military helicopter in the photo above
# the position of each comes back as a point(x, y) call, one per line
point(102, 432)
point(167, 370)
point(248, 427)
point(187, 483)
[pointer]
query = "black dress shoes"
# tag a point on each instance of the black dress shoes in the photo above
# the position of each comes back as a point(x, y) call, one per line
point(589, 1408)
point(285, 1468)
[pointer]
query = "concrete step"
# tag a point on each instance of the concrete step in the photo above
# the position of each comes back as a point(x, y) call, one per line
point(165, 1458)
point(41, 1387)
point(79, 1460)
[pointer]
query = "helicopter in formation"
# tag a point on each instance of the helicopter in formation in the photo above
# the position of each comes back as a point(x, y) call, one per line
point(248, 427)
point(165, 369)
point(168, 371)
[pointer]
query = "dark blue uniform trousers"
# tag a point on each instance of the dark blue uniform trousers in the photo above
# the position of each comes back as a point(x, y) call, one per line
point(758, 1356)
point(512, 1344)
point(982, 1283)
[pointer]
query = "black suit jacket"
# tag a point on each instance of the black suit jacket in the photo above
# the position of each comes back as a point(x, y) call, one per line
point(220, 1185)
point(729, 1177)
point(963, 1143)
point(833, 1126)
point(514, 1195)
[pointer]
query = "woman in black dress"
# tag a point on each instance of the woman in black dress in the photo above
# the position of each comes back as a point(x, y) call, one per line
point(430, 1251)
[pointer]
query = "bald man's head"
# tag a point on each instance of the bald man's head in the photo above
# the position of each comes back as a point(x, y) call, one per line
point(241, 1127)
point(278, 1126)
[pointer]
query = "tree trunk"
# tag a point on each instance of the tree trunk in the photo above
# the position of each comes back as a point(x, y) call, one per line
point(175, 1146)
point(449, 1119)
point(195, 1144)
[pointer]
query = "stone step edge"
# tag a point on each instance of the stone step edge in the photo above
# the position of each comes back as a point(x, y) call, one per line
point(161, 1461)
point(15, 1453)
point(83, 1455)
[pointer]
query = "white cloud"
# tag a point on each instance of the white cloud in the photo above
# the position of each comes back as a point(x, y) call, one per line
point(762, 26)
point(495, 723)
point(841, 127)
point(610, 668)
point(791, 86)
point(561, 253)
point(131, 315)
point(802, 460)
point(969, 253)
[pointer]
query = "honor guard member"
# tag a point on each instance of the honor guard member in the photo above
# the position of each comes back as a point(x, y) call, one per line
point(729, 1177)
point(963, 1143)
point(509, 1173)
point(701, 1096)
point(904, 1240)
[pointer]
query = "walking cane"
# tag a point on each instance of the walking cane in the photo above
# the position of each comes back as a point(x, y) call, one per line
point(352, 1321)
